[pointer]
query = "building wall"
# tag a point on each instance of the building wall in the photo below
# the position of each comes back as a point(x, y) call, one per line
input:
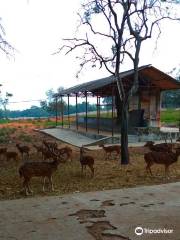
point(134, 102)
point(150, 102)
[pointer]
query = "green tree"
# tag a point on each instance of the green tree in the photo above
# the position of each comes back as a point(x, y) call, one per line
point(50, 105)
point(4, 102)
point(171, 99)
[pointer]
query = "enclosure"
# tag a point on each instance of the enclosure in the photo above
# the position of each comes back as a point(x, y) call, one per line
point(144, 106)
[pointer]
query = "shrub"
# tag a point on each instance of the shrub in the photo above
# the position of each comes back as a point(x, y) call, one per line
point(4, 139)
point(5, 134)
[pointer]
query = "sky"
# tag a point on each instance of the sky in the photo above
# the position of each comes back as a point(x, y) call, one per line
point(36, 28)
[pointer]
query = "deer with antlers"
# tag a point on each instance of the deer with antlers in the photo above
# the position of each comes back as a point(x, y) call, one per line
point(40, 169)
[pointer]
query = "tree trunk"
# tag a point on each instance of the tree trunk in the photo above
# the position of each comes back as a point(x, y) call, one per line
point(118, 108)
point(124, 134)
point(124, 121)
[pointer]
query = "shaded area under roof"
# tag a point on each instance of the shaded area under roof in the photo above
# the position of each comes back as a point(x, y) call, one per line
point(149, 73)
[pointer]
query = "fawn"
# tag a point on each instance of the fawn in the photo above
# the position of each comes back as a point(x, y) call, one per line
point(110, 149)
point(86, 161)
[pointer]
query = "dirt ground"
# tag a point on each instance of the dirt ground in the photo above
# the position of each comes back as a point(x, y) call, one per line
point(109, 174)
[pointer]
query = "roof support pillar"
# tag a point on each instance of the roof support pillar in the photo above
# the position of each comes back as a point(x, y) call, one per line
point(98, 112)
point(62, 112)
point(68, 112)
point(86, 109)
point(158, 100)
point(56, 100)
point(112, 113)
point(76, 112)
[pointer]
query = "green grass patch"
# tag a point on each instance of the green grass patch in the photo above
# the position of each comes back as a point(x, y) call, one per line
point(4, 121)
point(49, 123)
point(102, 115)
point(170, 116)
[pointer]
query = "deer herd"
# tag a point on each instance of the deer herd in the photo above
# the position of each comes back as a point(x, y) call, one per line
point(157, 154)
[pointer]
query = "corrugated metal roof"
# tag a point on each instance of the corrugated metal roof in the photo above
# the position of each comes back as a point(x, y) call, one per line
point(96, 84)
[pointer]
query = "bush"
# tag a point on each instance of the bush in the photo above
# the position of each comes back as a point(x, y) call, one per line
point(7, 131)
point(4, 139)
point(5, 134)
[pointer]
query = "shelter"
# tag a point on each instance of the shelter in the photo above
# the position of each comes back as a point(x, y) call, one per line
point(144, 107)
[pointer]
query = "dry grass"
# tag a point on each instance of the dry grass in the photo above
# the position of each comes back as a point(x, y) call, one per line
point(68, 179)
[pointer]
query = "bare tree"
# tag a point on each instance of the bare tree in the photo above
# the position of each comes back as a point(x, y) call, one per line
point(8, 49)
point(126, 24)
point(5, 46)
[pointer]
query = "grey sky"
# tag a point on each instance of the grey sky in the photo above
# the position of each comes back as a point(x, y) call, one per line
point(35, 28)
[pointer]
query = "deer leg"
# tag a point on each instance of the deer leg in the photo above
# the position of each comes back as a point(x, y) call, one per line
point(114, 155)
point(51, 183)
point(29, 189)
point(44, 182)
point(81, 169)
point(28, 185)
point(67, 157)
point(25, 185)
point(105, 155)
point(167, 171)
point(92, 170)
point(148, 168)
point(16, 162)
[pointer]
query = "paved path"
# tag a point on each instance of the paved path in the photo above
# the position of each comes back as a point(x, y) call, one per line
point(77, 139)
point(69, 136)
point(105, 215)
